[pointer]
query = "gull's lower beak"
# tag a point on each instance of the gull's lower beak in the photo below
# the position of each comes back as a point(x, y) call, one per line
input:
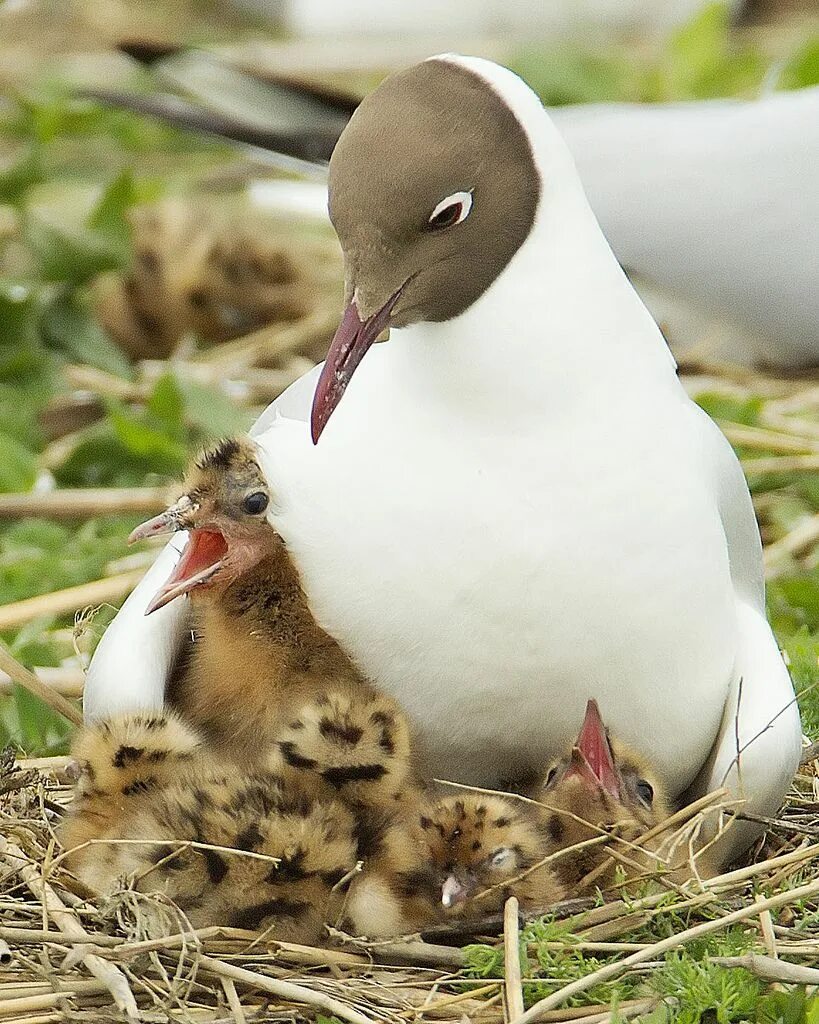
point(348, 347)
point(169, 521)
point(592, 757)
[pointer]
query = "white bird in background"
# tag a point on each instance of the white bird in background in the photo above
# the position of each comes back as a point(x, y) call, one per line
point(717, 204)
point(516, 508)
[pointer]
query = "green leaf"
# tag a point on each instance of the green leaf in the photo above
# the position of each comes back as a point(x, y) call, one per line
point(19, 172)
point(572, 76)
point(720, 406)
point(18, 315)
point(108, 218)
point(68, 326)
point(144, 440)
point(211, 413)
point(802, 70)
point(64, 254)
point(18, 465)
point(167, 405)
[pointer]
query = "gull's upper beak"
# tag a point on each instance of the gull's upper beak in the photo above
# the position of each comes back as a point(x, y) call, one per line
point(592, 757)
point(348, 347)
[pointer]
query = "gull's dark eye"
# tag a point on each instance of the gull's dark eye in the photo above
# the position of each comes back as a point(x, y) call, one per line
point(255, 503)
point(645, 791)
point(450, 211)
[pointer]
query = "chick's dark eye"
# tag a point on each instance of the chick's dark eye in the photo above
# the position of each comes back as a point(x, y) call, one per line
point(550, 778)
point(255, 503)
point(645, 791)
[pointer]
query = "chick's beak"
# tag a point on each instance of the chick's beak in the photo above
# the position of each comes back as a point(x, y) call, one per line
point(201, 557)
point(348, 347)
point(169, 521)
point(453, 892)
point(592, 757)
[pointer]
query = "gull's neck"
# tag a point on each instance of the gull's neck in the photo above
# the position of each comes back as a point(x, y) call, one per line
point(560, 323)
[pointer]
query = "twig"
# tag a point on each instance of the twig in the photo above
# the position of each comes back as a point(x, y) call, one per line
point(656, 950)
point(809, 754)
point(782, 464)
point(771, 968)
point(413, 953)
point(768, 440)
point(60, 602)
point(110, 976)
point(766, 925)
point(233, 1000)
point(512, 987)
point(284, 990)
point(82, 503)
point(25, 678)
point(70, 682)
point(269, 342)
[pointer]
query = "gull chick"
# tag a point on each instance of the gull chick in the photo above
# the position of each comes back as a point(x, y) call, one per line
point(600, 786)
point(261, 670)
point(244, 849)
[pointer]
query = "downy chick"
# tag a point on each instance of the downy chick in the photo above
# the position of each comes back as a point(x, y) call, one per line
point(150, 782)
point(261, 670)
point(472, 851)
point(461, 858)
point(600, 785)
point(122, 764)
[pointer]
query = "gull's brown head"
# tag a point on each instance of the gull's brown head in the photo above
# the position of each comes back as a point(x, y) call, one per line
point(223, 508)
point(433, 189)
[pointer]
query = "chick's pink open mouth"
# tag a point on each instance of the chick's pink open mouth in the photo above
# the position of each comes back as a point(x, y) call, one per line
point(200, 560)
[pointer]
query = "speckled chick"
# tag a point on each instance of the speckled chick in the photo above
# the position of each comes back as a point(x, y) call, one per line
point(600, 785)
point(267, 852)
point(261, 670)
point(461, 858)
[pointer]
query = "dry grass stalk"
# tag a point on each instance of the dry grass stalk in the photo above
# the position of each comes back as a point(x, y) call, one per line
point(109, 975)
point(284, 990)
point(771, 968)
point(83, 503)
point(110, 590)
point(69, 682)
point(513, 988)
point(29, 681)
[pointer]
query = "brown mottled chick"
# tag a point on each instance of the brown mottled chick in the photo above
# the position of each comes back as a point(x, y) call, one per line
point(262, 671)
point(463, 858)
point(601, 785)
point(248, 850)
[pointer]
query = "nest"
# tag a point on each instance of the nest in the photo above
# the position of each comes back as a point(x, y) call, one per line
point(67, 955)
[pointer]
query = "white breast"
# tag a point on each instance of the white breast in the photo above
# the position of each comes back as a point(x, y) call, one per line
point(494, 581)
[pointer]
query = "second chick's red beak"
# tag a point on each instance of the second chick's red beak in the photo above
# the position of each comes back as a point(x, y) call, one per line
point(592, 756)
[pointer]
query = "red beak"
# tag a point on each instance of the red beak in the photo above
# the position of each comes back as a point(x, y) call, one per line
point(348, 347)
point(200, 559)
point(592, 757)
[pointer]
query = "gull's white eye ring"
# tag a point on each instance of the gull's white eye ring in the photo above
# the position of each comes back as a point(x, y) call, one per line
point(450, 211)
